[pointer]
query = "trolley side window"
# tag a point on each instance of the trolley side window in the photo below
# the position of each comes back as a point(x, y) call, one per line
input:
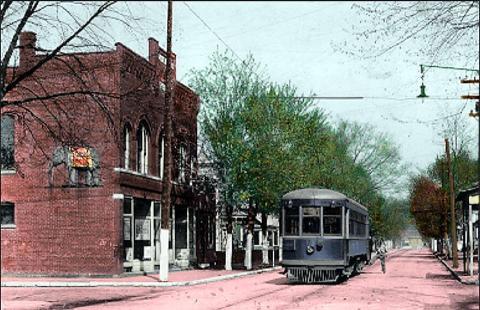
point(358, 224)
point(332, 221)
point(292, 221)
point(311, 220)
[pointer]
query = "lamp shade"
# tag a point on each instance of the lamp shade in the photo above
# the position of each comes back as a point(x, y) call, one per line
point(422, 92)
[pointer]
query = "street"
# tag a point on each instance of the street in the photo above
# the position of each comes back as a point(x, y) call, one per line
point(414, 280)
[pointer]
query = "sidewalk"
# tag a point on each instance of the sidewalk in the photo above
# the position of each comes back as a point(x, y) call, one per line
point(458, 272)
point(177, 278)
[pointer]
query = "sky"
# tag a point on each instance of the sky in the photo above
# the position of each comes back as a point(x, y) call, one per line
point(296, 42)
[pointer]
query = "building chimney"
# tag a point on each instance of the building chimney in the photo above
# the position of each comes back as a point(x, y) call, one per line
point(158, 57)
point(153, 51)
point(28, 41)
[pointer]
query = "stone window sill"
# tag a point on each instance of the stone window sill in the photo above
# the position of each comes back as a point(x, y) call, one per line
point(8, 171)
point(8, 226)
point(148, 176)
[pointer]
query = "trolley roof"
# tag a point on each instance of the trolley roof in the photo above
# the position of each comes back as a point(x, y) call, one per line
point(313, 193)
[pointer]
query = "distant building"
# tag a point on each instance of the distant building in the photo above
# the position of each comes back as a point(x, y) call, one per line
point(411, 238)
point(81, 192)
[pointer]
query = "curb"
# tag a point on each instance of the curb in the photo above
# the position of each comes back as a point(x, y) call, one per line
point(455, 275)
point(134, 284)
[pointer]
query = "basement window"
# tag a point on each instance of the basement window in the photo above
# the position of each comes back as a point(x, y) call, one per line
point(7, 211)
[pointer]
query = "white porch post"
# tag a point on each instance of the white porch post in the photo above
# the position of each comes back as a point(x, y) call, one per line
point(228, 253)
point(152, 235)
point(265, 248)
point(280, 248)
point(164, 254)
point(248, 251)
point(470, 239)
point(188, 233)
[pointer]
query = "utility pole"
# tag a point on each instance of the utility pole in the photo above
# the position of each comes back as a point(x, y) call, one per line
point(453, 225)
point(167, 181)
point(474, 114)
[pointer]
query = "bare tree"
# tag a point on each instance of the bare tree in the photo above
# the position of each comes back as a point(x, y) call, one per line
point(44, 105)
point(436, 29)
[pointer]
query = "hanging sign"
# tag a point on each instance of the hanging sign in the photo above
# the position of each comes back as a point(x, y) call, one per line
point(81, 157)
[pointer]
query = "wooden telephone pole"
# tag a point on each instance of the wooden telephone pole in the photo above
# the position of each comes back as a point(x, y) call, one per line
point(453, 225)
point(167, 181)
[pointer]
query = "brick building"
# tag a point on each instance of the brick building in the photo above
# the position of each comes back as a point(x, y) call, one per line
point(82, 165)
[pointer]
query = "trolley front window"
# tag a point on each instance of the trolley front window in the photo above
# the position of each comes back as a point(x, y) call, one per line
point(292, 221)
point(332, 221)
point(311, 220)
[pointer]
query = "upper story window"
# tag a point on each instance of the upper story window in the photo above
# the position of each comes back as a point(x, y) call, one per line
point(8, 142)
point(161, 156)
point(143, 143)
point(126, 146)
point(7, 211)
point(182, 162)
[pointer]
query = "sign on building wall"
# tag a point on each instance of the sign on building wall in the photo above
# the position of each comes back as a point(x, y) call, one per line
point(81, 157)
point(142, 229)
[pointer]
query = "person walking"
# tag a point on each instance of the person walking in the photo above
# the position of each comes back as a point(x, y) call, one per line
point(382, 254)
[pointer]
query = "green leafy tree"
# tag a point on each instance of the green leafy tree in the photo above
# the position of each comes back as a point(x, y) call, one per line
point(375, 152)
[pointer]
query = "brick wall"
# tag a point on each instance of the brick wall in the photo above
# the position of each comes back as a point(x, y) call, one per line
point(78, 230)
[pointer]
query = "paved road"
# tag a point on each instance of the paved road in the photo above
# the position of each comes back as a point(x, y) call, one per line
point(414, 280)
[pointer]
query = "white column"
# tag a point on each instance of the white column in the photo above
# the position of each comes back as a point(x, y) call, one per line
point(248, 251)
point(470, 233)
point(164, 254)
point(194, 235)
point(280, 248)
point(152, 236)
point(228, 253)
point(265, 249)
point(188, 233)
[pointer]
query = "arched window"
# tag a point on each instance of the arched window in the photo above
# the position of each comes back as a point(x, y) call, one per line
point(161, 155)
point(143, 143)
point(182, 162)
point(8, 142)
point(126, 146)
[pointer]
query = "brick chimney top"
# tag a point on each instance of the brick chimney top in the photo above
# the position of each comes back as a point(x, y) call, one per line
point(28, 43)
point(158, 57)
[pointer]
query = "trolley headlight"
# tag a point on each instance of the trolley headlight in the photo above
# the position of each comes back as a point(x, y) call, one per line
point(310, 250)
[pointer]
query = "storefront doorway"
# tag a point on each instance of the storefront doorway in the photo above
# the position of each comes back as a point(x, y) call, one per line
point(141, 234)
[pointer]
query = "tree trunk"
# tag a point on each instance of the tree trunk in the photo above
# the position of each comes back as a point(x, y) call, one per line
point(250, 226)
point(229, 246)
point(167, 184)
point(265, 240)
